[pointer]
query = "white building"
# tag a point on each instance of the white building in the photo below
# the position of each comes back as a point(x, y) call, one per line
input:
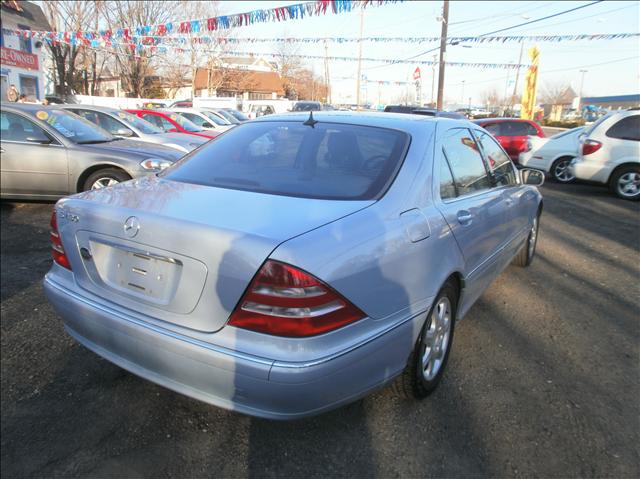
point(22, 58)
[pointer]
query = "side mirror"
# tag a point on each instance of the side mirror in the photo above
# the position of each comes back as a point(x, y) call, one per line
point(123, 132)
point(530, 176)
point(37, 137)
point(206, 124)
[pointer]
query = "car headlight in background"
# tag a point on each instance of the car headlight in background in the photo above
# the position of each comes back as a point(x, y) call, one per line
point(155, 164)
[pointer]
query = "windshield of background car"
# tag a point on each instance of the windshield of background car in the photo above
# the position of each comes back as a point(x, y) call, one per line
point(326, 161)
point(238, 114)
point(188, 125)
point(307, 106)
point(72, 127)
point(227, 116)
point(572, 131)
point(215, 118)
point(143, 125)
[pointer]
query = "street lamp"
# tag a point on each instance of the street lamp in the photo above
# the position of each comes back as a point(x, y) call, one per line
point(462, 96)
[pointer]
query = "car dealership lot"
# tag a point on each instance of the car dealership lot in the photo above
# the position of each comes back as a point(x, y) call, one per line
point(543, 379)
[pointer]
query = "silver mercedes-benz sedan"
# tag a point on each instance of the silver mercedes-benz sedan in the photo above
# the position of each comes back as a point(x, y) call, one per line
point(48, 152)
point(126, 125)
point(298, 262)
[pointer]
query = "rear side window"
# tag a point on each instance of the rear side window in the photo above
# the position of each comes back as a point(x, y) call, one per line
point(100, 119)
point(626, 129)
point(325, 161)
point(463, 155)
point(493, 128)
point(498, 161)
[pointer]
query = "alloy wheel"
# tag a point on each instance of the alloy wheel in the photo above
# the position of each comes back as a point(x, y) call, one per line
point(103, 183)
point(629, 184)
point(436, 339)
point(562, 173)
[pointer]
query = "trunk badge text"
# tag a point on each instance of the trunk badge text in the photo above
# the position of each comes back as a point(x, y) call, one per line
point(131, 226)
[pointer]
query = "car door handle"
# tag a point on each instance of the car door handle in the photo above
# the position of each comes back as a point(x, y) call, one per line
point(464, 217)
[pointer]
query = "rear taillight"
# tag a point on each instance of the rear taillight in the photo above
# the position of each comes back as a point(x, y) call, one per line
point(57, 250)
point(590, 146)
point(285, 301)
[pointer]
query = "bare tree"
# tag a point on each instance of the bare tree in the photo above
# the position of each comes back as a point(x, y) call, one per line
point(289, 65)
point(490, 97)
point(135, 69)
point(66, 16)
point(557, 93)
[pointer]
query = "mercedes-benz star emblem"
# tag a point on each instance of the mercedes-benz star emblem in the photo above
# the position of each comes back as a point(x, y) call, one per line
point(131, 226)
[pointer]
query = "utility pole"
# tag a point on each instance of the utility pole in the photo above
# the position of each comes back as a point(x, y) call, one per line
point(443, 50)
point(359, 60)
point(515, 86)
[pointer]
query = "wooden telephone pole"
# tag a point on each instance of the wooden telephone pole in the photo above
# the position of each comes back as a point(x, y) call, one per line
point(443, 50)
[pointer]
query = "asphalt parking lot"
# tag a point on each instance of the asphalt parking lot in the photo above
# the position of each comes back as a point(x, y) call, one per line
point(543, 379)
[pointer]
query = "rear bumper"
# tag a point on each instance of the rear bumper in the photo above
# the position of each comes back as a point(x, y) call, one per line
point(225, 378)
point(590, 170)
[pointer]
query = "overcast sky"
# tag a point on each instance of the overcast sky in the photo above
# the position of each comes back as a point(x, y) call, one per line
point(613, 65)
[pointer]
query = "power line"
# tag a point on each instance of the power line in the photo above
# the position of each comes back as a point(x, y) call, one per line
point(588, 16)
point(497, 31)
point(543, 18)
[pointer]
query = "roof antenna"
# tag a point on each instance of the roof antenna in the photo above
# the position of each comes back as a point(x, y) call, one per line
point(310, 121)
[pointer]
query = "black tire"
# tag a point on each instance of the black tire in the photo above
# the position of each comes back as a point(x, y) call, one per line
point(559, 172)
point(527, 252)
point(112, 174)
point(617, 178)
point(413, 383)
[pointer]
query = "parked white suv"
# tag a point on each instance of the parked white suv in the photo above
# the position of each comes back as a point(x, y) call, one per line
point(610, 154)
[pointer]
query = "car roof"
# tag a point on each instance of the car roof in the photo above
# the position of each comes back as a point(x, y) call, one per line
point(29, 107)
point(398, 121)
point(105, 109)
point(480, 121)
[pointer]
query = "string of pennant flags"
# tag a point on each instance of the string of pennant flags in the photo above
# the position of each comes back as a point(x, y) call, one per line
point(221, 22)
point(188, 39)
point(136, 50)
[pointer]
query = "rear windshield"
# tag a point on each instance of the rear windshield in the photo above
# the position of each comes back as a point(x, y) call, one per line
point(324, 161)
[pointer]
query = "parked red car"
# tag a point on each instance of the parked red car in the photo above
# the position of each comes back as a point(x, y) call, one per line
point(172, 122)
point(512, 133)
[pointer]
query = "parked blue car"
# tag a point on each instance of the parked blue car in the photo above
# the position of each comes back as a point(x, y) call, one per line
point(297, 262)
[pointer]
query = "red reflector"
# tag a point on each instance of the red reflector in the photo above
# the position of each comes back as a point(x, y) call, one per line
point(57, 250)
point(590, 146)
point(285, 301)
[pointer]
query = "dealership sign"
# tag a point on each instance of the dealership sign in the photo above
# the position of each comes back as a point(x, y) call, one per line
point(19, 59)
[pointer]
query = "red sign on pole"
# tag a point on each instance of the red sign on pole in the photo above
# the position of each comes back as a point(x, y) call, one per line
point(416, 73)
point(19, 58)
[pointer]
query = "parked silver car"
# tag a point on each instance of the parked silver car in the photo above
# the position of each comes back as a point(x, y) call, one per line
point(295, 264)
point(48, 152)
point(124, 124)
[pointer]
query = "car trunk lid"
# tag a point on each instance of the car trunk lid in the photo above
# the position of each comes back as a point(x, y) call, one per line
point(179, 252)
